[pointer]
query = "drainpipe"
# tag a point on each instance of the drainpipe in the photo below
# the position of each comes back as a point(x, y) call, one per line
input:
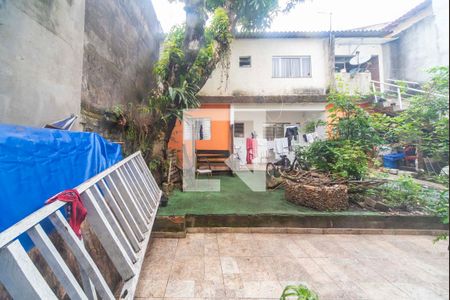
point(332, 60)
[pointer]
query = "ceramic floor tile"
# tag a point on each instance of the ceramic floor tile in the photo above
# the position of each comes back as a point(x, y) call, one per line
point(254, 268)
point(260, 289)
point(180, 289)
point(229, 265)
point(151, 289)
point(191, 247)
point(377, 291)
point(419, 292)
point(287, 269)
point(188, 268)
point(156, 268)
point(213, 269)
point(210, 290)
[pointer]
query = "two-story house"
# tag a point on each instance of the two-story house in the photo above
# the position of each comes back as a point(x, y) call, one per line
point(276, 81)
point(280, 80)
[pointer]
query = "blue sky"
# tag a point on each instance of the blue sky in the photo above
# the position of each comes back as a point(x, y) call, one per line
point(313, 14)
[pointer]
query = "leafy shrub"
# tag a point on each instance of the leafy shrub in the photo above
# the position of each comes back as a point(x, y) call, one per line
point(301, 292)
point(405, 193)
point(440, 208)
point(351, 122)
point(343, 158)
point(311, 126)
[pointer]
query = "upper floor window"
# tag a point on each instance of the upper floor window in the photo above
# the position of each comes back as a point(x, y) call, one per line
point(342, 63)
point(245, 61)
point(291, 66)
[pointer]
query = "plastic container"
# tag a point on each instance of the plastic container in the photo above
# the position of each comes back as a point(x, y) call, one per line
point(391, 161)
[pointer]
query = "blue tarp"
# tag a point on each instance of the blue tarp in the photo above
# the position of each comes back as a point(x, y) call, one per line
point(36, 164)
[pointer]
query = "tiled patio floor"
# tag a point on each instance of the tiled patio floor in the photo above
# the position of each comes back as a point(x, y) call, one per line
point(259, 266)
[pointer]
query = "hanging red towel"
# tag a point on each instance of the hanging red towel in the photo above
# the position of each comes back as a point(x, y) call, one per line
point(75, 209)
point(252, 145)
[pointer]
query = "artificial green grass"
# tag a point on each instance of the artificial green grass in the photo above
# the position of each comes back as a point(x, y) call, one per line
point(236, 198)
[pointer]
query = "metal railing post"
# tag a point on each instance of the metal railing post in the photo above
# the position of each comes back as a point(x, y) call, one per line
point(374, 88)
point(400, 100)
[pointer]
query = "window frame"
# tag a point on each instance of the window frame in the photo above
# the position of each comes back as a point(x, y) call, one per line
point(243, 129)
point(249, 57)
point(300, 57)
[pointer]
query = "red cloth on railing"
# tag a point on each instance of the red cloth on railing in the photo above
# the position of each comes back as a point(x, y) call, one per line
point(75, 209)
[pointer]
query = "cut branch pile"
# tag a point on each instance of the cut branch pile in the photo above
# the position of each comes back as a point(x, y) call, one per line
point(321, 191)
point(323, 198)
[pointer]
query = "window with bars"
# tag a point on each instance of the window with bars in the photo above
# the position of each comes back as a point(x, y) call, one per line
point(245, 61)
point(239, 130)
point(291, 67)
point(273, 131)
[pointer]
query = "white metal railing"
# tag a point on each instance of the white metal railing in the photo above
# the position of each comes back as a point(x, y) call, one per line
point(397, 93)
point(122, 203)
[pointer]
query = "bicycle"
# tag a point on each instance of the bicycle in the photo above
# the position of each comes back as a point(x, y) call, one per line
point(284, 165)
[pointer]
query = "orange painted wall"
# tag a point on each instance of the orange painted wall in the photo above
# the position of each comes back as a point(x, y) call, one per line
point(220, 129)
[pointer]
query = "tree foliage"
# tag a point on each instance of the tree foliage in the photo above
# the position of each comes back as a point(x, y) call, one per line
point(425, 122)
point(348, 121)
point(193, 50)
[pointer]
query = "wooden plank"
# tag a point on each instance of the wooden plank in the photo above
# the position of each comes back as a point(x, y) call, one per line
point(19, 275)
point(129, 200)
point(146, 169)
point(149, 177)
point(84, 259)
point(56, 262)
point(110, 217)
point(135, 192)
point(88, 285)
point(105, 233)
point(124, 207)
point(129, 287)
point(127, 181)
point(139, 187)
point(119, 215)
point(143, 183)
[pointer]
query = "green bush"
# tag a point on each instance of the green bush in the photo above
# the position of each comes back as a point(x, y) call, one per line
point(406, 193)
point(340, 157)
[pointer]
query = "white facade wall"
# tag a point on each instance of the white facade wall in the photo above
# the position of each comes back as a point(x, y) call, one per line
point(257, 80)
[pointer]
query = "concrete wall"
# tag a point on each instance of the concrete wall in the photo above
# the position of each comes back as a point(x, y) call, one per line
point(257, 80)
point(359, 83)
point(58, 56)
point(421, 46)
point(441, 18)
point(121, 43)
point(41, 57)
